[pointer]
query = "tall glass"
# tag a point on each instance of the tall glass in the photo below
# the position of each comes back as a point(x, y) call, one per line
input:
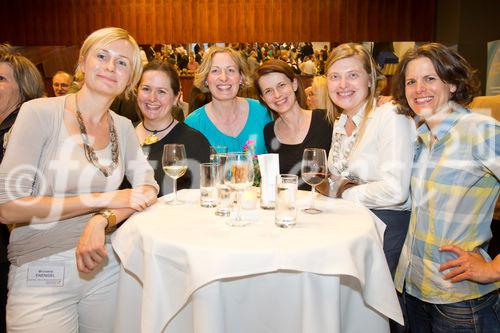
point(174, 164)
point(238, 175)
point(313, 172)
point(224, 193)
point(218, 154)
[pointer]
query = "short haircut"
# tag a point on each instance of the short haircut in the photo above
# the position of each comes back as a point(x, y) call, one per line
point(108, 35)
point(63, 73)
point(451, 68)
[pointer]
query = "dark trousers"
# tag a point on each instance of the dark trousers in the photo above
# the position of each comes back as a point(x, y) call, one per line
point(4, 274)
point(394, 237)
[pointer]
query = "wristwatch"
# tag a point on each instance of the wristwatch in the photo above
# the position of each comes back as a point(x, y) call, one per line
point(110, 217)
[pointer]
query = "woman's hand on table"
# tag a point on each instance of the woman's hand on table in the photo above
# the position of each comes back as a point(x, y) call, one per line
point(334, 188)
point(90, 250)
point(469, 266)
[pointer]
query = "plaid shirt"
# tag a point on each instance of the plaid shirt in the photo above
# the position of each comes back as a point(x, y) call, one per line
point(454, 188)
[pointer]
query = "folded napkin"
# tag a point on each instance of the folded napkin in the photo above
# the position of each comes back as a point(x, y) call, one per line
point(269, 165)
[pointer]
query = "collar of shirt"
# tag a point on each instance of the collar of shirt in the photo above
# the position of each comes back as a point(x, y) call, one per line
point(424, 133)
point(340, 124)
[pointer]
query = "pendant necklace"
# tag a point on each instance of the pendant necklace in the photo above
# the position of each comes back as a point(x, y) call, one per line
point(152, 138)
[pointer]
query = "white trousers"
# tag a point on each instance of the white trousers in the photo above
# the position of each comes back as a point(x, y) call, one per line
point(85, 303)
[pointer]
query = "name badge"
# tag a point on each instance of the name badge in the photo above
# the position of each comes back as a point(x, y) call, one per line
point(49, 275)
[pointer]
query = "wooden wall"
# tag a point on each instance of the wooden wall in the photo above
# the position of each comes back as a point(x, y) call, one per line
point(67, 22)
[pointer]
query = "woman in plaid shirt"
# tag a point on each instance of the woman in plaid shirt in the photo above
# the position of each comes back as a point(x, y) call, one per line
point(449, 281)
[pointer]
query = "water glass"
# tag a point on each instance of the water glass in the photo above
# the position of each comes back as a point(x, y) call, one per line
point(286, 205)
point(218, 153)
point(224, 199)
point(209, 177)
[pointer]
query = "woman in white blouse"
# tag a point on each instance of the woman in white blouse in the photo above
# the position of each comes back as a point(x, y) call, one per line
point(372, 147)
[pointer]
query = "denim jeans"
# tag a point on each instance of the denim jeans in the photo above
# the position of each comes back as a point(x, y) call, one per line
point(480, 315)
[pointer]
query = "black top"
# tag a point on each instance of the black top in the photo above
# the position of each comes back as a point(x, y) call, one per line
point(197, 151)
point(4, 231)
point(318, 136)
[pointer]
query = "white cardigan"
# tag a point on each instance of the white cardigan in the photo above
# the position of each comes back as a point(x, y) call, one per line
point(382, 160)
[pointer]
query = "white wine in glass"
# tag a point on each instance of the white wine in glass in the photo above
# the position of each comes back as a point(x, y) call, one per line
point(174, 164)
point(313, 172)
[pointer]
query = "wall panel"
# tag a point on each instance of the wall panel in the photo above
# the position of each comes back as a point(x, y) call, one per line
point(67, 22)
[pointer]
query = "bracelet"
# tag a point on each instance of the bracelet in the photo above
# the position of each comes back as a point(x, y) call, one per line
point(110, 218)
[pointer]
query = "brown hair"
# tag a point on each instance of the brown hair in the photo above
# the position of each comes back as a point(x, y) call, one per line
point(165, 67)
point(28, 78)
point(279, 66)
point(451, 68)
point(175, 83)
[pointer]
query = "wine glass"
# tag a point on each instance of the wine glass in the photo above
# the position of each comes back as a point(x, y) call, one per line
point(238, 175)
point(313, 172)
point(174, 164)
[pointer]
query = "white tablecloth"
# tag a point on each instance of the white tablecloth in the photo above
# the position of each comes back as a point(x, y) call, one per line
point(185, 270)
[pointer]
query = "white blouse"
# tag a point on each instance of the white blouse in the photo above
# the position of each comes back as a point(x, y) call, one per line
point(381, 160)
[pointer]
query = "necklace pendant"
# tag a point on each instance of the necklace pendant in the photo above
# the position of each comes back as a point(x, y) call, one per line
point(150, 139)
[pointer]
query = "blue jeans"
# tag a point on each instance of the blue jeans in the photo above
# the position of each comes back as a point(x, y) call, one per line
point(480, 315)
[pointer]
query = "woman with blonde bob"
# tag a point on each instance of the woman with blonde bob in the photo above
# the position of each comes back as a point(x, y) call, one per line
point(372, 147)
point(228, 120)
point(65, 160)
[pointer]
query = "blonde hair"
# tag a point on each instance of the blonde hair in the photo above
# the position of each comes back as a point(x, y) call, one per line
point(348, 50)
point(320, 90)
point(201, 74)
point(108, 35)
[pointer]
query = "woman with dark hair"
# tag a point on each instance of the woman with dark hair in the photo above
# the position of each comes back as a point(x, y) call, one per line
point(446, 275)
point(65, 160)
point(157, 95)
point(20, 81)
point(228, 120)
point(295, 127)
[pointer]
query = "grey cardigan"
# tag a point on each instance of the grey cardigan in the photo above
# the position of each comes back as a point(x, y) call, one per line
point(26, 170)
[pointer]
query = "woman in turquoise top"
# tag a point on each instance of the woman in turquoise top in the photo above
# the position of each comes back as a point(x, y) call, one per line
point(228, 120)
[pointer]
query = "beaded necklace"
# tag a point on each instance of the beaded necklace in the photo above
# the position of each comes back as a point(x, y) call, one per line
point(89, 151)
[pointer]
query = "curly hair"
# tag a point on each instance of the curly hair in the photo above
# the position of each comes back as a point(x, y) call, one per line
point(451, 68)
